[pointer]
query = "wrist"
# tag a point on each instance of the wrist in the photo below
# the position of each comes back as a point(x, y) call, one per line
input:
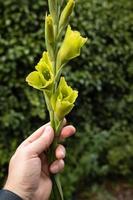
point(6, 194)
point(24, 195)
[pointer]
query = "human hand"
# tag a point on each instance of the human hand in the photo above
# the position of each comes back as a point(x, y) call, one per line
point(29, 172)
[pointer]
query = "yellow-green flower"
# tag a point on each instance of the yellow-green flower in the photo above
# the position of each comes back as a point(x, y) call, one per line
point(71, 46)
point(43, 77)
point(63, 100)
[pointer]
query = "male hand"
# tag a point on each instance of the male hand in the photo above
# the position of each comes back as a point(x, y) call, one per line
point(29, 172)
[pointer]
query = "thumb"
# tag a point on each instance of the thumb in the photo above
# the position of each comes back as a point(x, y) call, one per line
point(43, 142)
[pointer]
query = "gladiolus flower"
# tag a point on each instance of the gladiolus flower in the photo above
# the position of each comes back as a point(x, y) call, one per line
point(43, 77)
point(71, 46)
point(63, 100)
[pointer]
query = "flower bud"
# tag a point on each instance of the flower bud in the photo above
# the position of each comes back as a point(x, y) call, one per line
point(53, 9)
point(49, 34)
point(70, 47)
point(65, 15)
point(60, 2)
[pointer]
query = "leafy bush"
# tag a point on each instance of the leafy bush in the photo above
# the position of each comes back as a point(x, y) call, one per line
point(103, 146)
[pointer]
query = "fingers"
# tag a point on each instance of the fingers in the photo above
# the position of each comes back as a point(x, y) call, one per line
point(37, 134)
point(34, 136)
point(41, 139)
point(67, 132)
point(43, 142)
point(57, 166)
point(60, 152)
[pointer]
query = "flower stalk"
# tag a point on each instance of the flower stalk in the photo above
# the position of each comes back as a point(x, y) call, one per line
point(59, 97)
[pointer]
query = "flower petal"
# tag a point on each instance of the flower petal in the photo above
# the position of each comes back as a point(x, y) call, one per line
point(35, 80)
point(71, 46)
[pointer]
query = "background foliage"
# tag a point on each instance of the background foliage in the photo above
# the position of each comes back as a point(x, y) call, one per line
point(103, 147)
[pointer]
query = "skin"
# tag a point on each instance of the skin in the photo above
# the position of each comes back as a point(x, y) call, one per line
point(29, 172)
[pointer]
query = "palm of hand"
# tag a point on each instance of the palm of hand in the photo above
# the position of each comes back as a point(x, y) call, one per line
point(44, 186)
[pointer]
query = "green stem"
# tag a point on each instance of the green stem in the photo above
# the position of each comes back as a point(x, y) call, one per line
point(57, 193)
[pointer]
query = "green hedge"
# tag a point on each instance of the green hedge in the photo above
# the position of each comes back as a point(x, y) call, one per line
point(103, 146)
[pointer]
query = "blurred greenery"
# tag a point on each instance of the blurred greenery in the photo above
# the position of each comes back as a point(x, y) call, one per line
point(103, 146)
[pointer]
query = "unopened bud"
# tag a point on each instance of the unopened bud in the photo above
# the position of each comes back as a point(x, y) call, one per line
point(49, 34)
point(49, 28)
point(66, 13)
point(53, 9)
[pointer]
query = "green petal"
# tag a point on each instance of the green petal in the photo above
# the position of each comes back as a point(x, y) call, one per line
point(44, 71)
point(67, 92)
point(34, 79)
point(63, 108)
point(45, 62)
point(72, 98)
point(63, 87)
point(63, 100)
point(47, 59)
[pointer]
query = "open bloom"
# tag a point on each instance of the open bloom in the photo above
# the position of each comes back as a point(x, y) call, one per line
point(71, 46)
point(63, 100)
point(43, 77)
